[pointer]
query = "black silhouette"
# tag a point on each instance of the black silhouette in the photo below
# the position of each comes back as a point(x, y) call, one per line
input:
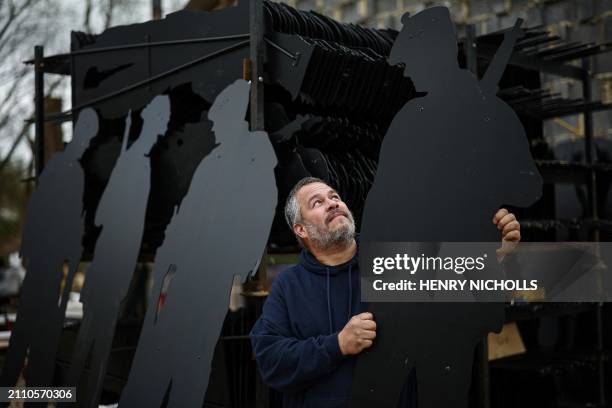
point(121, 214)
point(51, 237)
point(91, 71)
point(219, 231)
point(449, 160)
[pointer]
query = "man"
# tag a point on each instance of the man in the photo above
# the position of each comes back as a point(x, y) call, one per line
point(313, 323)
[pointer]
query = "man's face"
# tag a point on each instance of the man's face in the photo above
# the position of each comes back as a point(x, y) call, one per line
point(326, 220)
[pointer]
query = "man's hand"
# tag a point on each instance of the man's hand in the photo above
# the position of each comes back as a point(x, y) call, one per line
point(507, 223)
point(358, 334)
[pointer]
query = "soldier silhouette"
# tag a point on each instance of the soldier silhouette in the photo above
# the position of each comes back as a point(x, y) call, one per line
point(51, 237)
point(448, 162)
point(219, 231)
point(121, 213)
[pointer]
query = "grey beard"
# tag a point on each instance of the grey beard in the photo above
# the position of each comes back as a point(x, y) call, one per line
point(322, 237)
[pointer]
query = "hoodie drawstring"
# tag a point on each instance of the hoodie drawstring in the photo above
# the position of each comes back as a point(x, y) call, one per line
point(331, 328)
point(350, 298)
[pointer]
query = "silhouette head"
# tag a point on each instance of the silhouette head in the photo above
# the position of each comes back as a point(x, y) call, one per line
point(85, 128)
point(427, 45)
point(155, 116)
point(230, 106)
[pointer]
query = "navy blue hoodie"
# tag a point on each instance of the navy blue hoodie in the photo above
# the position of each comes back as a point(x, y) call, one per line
point(295, 340)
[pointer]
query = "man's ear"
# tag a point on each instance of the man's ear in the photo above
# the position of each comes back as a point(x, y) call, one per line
point(300, 231)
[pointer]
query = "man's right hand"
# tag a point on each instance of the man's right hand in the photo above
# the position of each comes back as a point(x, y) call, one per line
point(358, 334)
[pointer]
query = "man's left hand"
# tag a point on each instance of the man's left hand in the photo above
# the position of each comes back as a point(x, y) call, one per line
point(507, 223)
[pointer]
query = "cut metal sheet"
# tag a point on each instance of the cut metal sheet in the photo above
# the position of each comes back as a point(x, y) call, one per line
point(51, 237)
point(448, 162)
point(220, 230)
point(121, 214)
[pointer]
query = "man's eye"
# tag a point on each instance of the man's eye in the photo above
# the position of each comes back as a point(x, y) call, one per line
point(316, 203)
point(335, 197)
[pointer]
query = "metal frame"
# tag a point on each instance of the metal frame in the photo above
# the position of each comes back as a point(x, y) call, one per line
point(256, 106)
point(39, 109)
point(257, 29)
point(67, 115)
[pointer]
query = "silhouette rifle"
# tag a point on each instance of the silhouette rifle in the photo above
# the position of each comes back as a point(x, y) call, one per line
point(496, 68)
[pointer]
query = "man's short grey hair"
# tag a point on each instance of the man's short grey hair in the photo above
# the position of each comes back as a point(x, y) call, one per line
point(293, 215)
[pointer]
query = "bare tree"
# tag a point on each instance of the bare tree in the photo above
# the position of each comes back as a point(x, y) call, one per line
point(23, 23)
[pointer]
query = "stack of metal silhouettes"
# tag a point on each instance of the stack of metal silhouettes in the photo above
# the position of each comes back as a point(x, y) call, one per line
point(336, 94)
